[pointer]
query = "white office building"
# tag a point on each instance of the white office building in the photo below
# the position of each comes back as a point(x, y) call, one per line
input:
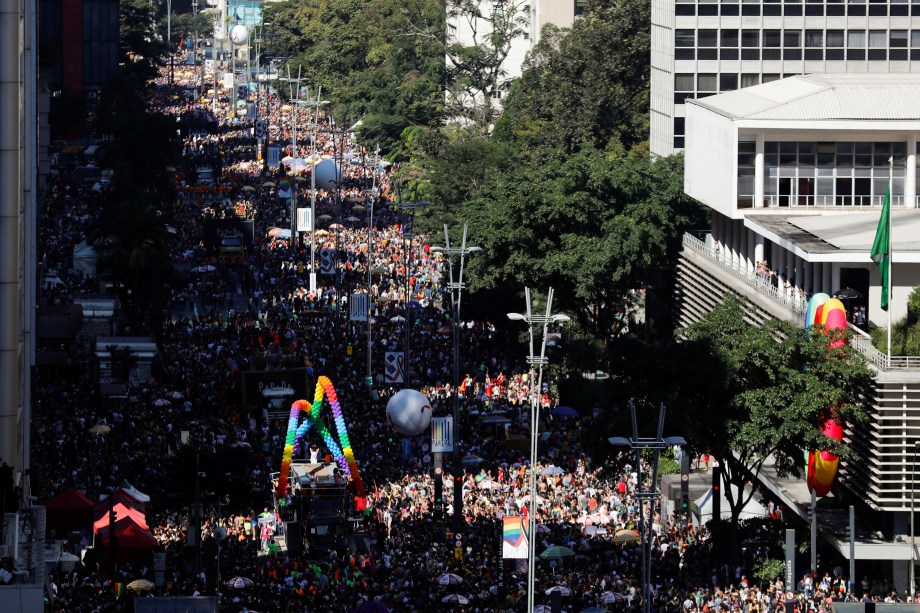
point(705, 47)
point(795, 173)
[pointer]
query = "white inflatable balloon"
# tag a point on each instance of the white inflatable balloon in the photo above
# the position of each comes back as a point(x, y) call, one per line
point(327, 173)
point(239, 34)
point(409, 412)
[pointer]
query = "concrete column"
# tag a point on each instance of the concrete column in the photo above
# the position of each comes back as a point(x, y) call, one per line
point(745, 255)
point(799, 277)
point(717, 231)
point(780, 263)
point(758, 172)
point(11, 170)
point(817, 283)
point(758, 248)
point(733, 243)
point(910, 173)
point(737, 232)
point(808, 282)
point(835, 278)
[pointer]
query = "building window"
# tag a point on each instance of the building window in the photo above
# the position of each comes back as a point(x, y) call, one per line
point(750, 44)
point(831, 173)
point(684, 42)
point(747, 80)
point(897, 43)
point(878, 45)
point(746, 154)
point(728, 82)
point(683, 88)
point(706, 85)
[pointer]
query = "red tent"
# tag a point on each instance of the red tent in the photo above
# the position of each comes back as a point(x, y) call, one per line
point(121, 511)
point(69, 510)
point(118, 497)
point(132, 542)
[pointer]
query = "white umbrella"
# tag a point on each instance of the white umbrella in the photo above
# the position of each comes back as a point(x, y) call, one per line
point(489, 484)
point(397, 319)
point(161, 402)
point(450, 579)
point(239, 582)
point(456, 598)
point(613, 597)
point(561, 589)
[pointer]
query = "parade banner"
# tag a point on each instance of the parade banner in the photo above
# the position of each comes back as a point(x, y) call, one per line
point(394, 367)
point(274, 155)
point(358, 307)
point(442, 434)
point(254, 382)
point(514, 538)
point(327, 261)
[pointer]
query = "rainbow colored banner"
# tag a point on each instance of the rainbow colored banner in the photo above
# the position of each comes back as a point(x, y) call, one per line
point(514, 538)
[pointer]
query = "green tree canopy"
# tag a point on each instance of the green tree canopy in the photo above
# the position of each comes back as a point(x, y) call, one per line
point(368, 59)
point(770, 389)
point(587, 86)
point(592, 227)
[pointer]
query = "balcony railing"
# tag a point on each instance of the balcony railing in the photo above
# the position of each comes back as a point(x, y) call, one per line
point(796, 303)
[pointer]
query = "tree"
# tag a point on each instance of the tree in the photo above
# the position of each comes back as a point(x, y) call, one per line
point(591, 227)
point(771, 389)
point(367, 61)
point(133, 246)
point(141, 48)
point(476, 65)
point(587, 86)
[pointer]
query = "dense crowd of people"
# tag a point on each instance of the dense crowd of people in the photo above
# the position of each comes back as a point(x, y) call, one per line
point(256, 311)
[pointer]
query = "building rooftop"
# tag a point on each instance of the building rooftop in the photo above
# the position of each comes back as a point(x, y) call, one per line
point(852, 233)
point(822, 97)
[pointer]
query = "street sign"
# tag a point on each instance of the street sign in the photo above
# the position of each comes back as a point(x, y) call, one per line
point(261, 129)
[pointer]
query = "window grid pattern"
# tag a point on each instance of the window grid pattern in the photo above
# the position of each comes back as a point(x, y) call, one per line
point(793, 45)
point(810, 8)
point(822, 174)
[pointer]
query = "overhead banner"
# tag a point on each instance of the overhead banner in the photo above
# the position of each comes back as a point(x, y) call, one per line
point(394, 367)
point(514, 538)
point(304, 219)
point(327, 262)
point(357, 306)
point(442, 434)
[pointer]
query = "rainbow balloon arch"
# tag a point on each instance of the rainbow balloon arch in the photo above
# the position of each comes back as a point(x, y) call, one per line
point(341, 450)
point(822, 464)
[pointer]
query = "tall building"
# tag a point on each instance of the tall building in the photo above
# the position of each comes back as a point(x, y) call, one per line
point(705, 47)
point(795, 173)
point(23, 532)
point(79, 43)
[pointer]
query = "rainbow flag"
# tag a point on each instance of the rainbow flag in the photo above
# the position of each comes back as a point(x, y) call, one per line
point(514, 537)
point(119, 590)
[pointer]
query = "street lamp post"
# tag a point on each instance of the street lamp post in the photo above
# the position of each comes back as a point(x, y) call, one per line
point(408, 234)
point(295, 102)
point(316, 103)
point(533, 359)
point(372, 200)
point(456, 293)
point(643, 495)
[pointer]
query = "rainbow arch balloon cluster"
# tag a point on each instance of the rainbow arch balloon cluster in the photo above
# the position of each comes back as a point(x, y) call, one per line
point(822, 465)
point(341, 450)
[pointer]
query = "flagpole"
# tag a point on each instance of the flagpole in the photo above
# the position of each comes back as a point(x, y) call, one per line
point(890, 253)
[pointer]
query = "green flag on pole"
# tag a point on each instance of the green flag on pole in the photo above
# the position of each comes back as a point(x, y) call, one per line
point(881, 248)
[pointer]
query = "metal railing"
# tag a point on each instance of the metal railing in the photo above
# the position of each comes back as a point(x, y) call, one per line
point(796, 303)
